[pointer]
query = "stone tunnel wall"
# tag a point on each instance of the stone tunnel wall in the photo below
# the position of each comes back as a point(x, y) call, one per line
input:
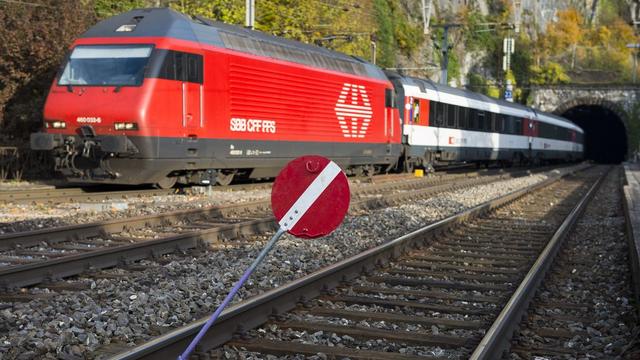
point(620, 100)
point(558, 99)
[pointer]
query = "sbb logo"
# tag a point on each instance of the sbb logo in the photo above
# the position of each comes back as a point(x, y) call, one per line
point(353, 110)
point(252, 125)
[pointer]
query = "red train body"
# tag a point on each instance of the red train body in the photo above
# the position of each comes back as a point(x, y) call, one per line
point(199, 102)
point(152, 96)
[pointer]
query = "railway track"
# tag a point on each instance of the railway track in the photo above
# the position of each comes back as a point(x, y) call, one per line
point(91, 194)
point(98, 193)
point(435, 291)
point(62, 195)
point(582, 309)
point(49, 255)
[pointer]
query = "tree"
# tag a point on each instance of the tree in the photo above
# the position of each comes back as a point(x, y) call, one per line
point(567, 31)
point(33, 41)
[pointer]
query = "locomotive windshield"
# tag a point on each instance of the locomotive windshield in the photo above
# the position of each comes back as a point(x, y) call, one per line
point(106, 65)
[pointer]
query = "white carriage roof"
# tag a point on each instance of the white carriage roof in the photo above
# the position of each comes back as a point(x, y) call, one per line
point(430, 90)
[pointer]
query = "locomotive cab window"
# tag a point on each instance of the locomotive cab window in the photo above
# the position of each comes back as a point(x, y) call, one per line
point(177, 65)
point(106, 65)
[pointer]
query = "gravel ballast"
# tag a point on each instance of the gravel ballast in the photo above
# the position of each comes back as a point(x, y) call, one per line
point(592, 271)
point(25, 217)
point(131, 307)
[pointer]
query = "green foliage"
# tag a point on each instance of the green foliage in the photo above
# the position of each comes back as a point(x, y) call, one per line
point(453, 68)
point(481, 85)
point(475, 39)
point(476, 83)
point(522, 60)
point(107, 8)
point(228, 11)
point(493, 91)
point(610, 10)
point(394, 32)
point(550, 73)
point(385, 39)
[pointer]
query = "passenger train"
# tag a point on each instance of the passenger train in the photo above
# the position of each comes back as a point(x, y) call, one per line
point(152, 96)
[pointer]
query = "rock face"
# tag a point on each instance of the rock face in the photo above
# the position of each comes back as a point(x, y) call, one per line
point(533, 16)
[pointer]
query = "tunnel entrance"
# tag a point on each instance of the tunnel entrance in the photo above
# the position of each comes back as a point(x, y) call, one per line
point(604, 132)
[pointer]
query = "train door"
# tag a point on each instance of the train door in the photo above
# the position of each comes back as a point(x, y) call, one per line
point(192, 92)
point(389, 118)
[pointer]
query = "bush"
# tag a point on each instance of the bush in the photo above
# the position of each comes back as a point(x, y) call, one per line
point(33, 41)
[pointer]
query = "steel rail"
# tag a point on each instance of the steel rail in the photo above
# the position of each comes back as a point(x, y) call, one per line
point(102, 228)
point(497, 339)
point(54, 196)
point(256, 310)
point(56, 269)
point(77, 194)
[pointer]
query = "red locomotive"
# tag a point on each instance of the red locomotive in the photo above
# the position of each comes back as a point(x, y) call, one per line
point(152, 96)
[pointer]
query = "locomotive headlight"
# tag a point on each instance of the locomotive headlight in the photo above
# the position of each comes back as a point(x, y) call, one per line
point(125, 126)
point(55, 124)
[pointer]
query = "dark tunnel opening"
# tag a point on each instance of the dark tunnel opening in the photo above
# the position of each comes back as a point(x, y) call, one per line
point(604, 131)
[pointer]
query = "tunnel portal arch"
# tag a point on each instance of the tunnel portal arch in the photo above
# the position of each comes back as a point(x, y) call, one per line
point(606, 127)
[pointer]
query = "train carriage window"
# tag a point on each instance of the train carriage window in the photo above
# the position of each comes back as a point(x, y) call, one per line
point(498, 123)
point(442, 110)
point(546, 130)
point(472, 119)
point(506, 124)
point(518, 126)
point(451, 116)
point(463, 118)
point(481, 121)
point(415, 111)
point(433, 108)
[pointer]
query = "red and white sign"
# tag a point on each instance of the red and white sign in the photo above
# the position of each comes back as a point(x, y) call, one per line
point(310, 197)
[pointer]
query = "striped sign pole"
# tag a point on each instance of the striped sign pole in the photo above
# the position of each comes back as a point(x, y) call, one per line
point(320, 177)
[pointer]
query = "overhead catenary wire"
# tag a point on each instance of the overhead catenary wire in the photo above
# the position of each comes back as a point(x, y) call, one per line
point(18, 2)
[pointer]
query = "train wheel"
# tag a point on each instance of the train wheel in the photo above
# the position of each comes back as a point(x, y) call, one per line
point(409, 166)
point(369, 171)
point(225, 179)
point(167, 182)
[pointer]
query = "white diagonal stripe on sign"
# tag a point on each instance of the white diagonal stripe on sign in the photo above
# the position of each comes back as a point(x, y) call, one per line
point(309, 196)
